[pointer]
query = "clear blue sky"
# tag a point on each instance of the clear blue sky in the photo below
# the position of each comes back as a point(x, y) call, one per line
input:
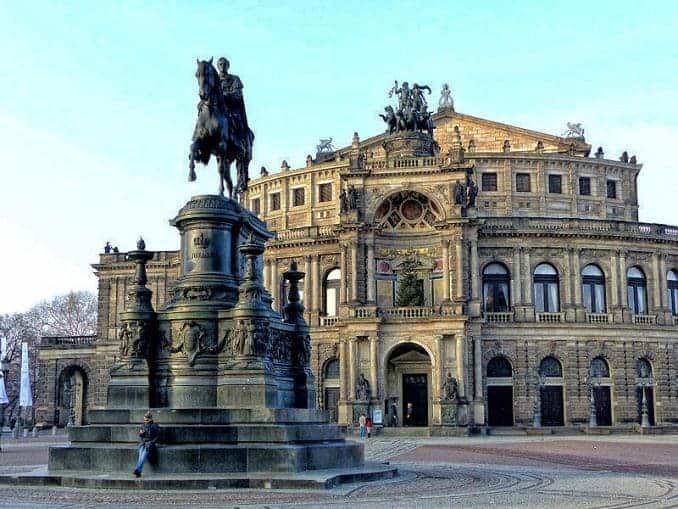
point(97, 101)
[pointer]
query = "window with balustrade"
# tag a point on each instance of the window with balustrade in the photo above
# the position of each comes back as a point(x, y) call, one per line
point(636, 289)
point(593, 289)
point(546, 289)
point(672, 283)
point(496, 285)
point(331, 285)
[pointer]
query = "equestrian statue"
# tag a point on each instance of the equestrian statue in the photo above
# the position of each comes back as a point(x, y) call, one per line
point(221, 129)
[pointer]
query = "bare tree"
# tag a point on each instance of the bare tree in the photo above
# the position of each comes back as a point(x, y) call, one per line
point(73, 314)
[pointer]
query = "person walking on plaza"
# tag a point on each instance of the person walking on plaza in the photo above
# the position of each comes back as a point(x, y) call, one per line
point(148, 434)
point(368, 426)
point(362, 421)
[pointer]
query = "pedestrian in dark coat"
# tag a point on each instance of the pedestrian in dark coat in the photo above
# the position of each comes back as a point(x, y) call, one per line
point(148, 434)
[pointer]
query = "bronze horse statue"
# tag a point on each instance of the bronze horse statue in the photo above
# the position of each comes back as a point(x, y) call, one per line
point(214, 135)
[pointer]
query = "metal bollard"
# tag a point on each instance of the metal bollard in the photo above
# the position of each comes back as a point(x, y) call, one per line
point(54, 429)
point(35, 432)
point(25, 432)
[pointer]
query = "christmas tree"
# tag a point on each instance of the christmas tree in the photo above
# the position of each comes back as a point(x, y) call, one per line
point(410, 291)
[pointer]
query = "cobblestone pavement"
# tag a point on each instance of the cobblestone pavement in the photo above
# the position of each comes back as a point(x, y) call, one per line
point(531, 472)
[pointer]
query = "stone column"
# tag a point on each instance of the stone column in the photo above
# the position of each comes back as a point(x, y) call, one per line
point(371, 281)
point(459, 269)
point(475, 279)
point(527, 278)
point(374, 367)
point(446, 270)
point(275, 285)
point(267, 276)
point(576, 277)
point(663, 283)
point(438, 371)
point(478, 404)
point(308, 284)
point(354, 272)
point(623, 284)
point(517, 294)
point(459, 356)
point(657, 293)
point(343, 375)
point(352, 347)
point(342, 265)
point(315, 281)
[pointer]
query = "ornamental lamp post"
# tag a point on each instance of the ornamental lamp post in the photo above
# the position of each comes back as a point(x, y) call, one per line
point(644, 414)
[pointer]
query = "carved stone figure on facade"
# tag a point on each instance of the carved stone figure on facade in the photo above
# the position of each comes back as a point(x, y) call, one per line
point(403, 93)
point(418, 100)
point(471, 192)
point(343, 201)
point(264, 171)
point(450, 388)
point(459, 193)
point(362, 390)
point(446, 101)
point(624, 158)
point(352, 198)
point(633, 160)
point(108, 248)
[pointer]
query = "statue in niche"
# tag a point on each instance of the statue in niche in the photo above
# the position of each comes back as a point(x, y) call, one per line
point(471, 192)
point(352, 198)
point(450, 388)
point(459, 193)
point(362, 390)
point(343, 201)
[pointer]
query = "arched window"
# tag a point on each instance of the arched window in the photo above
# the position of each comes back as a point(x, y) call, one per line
point(600, 368)
point(673, 291)
point(550, 367)
point(546, 294)
point(332, 369)
point(499, 367)
point(593, 289)
point(643, 368)
point(637, 291)
point(496, 295)
point(331, 292)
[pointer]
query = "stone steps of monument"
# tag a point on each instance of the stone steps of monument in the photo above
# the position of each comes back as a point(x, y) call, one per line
point(210, 416)
point(316, 479)
point(244, 457)
point(199, 433)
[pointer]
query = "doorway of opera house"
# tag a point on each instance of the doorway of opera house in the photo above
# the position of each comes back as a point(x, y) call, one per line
point(408, 381)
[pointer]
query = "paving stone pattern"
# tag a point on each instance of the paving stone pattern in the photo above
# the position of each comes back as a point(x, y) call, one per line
point(526, 472)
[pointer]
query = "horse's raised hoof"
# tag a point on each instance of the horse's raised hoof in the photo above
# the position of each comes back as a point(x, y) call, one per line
point(191, 175)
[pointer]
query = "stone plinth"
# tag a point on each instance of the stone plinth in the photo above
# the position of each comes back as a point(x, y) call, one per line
point(409, 144)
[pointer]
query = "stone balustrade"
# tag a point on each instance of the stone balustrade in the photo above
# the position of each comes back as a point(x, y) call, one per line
point(598, 318)
point(550, 317)
point(644, 319)
point(67, 340)
point(305, 232)
point(328, 321)
point(503, 317)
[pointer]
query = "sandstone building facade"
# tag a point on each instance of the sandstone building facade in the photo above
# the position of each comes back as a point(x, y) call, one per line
point(545, 302)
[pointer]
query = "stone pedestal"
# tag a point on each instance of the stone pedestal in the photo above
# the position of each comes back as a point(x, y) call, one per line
point(409, 144)
point(448, 413)
point(230, 381)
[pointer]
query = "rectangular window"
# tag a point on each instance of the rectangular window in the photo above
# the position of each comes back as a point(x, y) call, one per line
point(255, 205)
point(275, 201)
point(585, 186)
point(612, 189)
point(298, 196)
point(523, 184)
point(385, 293)
point(489, 181)
point(325, 192)
point(555, 184)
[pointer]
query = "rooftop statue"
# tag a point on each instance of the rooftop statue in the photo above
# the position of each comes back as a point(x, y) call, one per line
point(412, 110)
point(221, 128)
point(325, 145)
point(574, 130)
point(446, 100)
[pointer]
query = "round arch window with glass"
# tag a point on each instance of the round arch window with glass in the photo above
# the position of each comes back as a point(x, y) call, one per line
point(636, 291)
point(546, 292)
point(672, 280)
point(331, 292)
point(593, 289)
point(496, 284)
point(600, 368)
point(550, 368)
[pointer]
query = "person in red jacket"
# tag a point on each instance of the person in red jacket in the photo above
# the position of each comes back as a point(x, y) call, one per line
point(368, 425)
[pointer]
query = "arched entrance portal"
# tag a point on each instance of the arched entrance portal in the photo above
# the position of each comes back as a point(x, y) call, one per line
point(499, 392)
point(408, 381)
point(72, 397)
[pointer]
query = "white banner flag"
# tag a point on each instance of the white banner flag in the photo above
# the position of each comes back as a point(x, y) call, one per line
point(3, 393)
point(25, 396)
